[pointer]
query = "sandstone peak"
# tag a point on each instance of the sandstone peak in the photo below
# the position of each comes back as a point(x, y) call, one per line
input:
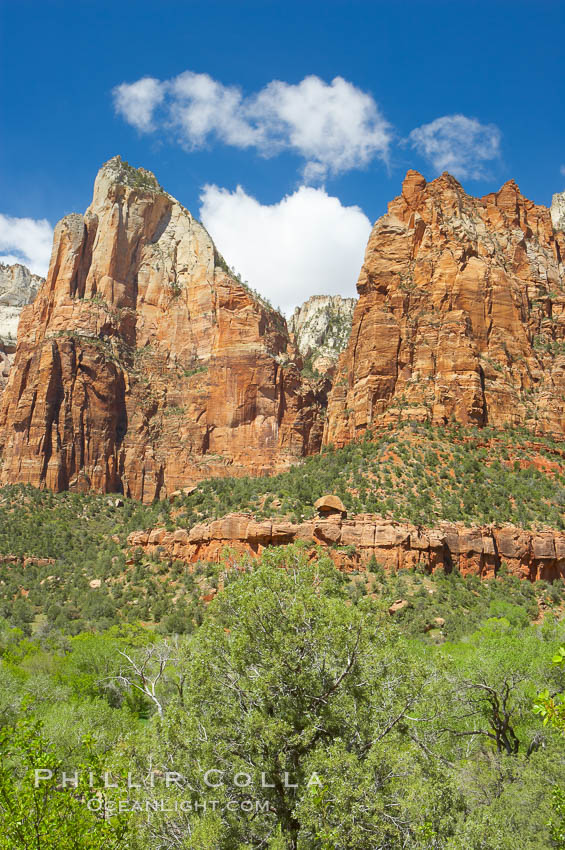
point(461, 315)
point(117, 170)
point(509, 198)
point(413, 185)
point(446, 179)
point(18, 287)
point(510, 185)
point(143, 364)
point(321, 328)
point(117, 179)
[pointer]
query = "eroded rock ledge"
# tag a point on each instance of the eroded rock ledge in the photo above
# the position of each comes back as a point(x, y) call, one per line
point(481, 551)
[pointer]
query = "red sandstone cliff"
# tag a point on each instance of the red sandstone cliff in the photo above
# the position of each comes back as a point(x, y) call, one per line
point(461, 315)
point(478, 551)
point(143, 365)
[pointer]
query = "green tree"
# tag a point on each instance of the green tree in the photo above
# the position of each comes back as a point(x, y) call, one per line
point(36, 813)
point(292, 690)
point(551, 708)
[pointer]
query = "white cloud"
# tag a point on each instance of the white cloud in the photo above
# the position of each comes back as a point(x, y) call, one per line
point(27, 241)
point(137, 101)
point(334, 127)
point(200, 107)
point(458, 144)
point(562, 169)
point(307, 244)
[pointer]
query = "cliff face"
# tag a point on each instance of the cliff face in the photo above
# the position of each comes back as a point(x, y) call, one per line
point(321, 328)
point(449, 546)
point(18, 287)
point(142, 365)
point(461, 315)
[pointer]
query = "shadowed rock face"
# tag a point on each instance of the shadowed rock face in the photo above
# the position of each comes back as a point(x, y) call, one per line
point(142, 365)
point(461, 315)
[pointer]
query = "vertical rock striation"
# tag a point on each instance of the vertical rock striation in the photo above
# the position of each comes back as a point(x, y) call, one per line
point(142, 365)
point(461, 315)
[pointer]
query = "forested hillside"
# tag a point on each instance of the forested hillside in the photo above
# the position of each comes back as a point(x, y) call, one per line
point(299, 712)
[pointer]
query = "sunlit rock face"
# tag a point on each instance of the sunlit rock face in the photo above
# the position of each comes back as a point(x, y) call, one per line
point(530, 555)
point(321, 328)
point(142, 365)
point(461, 315)
point(558, 211)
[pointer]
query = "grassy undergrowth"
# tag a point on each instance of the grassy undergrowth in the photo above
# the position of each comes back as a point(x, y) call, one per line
point(418, 473)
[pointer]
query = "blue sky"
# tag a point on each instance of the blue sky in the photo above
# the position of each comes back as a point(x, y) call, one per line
point(406, 69)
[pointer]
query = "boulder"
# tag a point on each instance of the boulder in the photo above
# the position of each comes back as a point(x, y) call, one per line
point(398, 606)
point(330, 504)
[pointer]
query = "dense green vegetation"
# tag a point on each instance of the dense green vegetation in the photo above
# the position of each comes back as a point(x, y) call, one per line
point(38, 815)
point(84, 577)
point(85, 583)
point(413, 472)
point(299, 711)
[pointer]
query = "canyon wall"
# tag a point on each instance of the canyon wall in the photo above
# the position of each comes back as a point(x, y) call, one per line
point(321, 328)
point(18, 287)
point(143, 366)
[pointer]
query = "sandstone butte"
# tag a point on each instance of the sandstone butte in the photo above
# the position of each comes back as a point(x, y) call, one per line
point(143, 365)
point(461, 315)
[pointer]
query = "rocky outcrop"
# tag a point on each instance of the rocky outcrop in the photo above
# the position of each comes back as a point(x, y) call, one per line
point(18, 287)
point(321, 329)
point(352, 543)
point(142, 366)
point(461, 315)
point(558, 211)
point(330, 504)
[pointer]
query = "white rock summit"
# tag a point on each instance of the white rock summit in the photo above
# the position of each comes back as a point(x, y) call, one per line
point(18, 287)
point(558, 211)
point(321, 328)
